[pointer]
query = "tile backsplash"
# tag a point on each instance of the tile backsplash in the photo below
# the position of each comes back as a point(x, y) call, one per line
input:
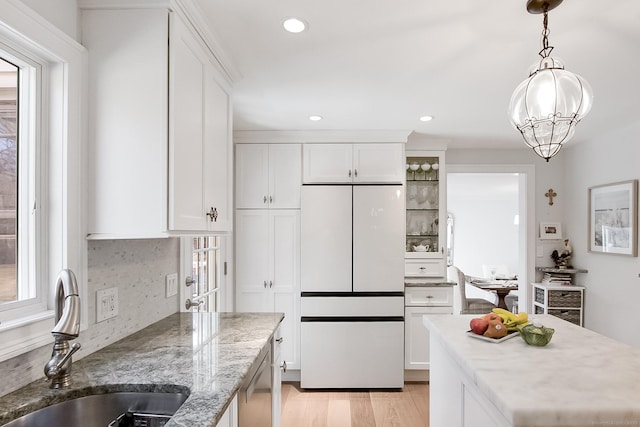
point(137, 268)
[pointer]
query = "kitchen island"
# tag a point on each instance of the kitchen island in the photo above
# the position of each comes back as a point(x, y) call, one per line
point(580, 378)
point(205, 355)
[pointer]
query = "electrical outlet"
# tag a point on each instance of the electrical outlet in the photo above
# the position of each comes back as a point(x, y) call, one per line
point(171, 282)
point(106, 304)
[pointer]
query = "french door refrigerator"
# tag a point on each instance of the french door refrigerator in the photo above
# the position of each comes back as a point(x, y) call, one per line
point(352, 282)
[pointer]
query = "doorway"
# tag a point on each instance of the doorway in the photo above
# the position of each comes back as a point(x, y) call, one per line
point(492, 210)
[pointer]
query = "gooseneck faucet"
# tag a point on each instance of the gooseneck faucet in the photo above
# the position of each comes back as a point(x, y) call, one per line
point(67, 327)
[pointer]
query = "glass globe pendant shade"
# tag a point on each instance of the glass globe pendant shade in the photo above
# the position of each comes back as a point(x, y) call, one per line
point(546, 107)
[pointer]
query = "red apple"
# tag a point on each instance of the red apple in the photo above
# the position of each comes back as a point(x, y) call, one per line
point(479, 325)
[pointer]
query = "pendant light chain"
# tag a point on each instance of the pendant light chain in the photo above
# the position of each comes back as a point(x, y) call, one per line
point(546, 49)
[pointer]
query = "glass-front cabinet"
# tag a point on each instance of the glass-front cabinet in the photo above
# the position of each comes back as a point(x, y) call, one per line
point(425, 214)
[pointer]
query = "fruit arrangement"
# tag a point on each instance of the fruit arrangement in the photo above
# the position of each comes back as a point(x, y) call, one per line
point(498, 323)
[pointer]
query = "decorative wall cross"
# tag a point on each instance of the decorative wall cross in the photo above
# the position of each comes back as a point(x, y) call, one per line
point(550, 194)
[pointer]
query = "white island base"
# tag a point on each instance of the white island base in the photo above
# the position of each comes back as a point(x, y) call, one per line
point(580, 379)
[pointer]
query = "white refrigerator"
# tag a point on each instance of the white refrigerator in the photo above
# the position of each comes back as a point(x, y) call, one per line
point(352, 282)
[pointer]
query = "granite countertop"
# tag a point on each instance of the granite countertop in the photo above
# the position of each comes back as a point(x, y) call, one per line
point(421, 282)
point(580, 378)
point(206, 355)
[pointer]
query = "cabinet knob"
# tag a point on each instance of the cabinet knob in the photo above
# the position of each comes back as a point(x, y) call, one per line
point(270, 199)
point(355, 172)
point(423, 268)
point(191, 304)
point(349, 173)
point(264, 199)
point(213, 214)
point(270, 284)
point(265, 284)
point(284, 366)
point(189, 281)
point(279, 340)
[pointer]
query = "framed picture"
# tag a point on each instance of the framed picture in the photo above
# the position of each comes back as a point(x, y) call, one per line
point(613, 218)
point(550, 230)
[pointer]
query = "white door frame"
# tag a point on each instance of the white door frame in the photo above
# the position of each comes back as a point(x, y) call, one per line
point(526, 228)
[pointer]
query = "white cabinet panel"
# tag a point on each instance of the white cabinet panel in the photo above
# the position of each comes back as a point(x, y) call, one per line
point(252, 175)
point(326, 228)
point(186, 138)
point(378, 238)
point(268, 176)
point(218, 173)
point(327, 163)
point(383, 163)
point(353, 163)
point(157, 117)
point(416, 339)
point(267, 270)
point(285, 175)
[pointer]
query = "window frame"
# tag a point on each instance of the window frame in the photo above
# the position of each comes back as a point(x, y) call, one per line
point(61, 164)
point(29, 258)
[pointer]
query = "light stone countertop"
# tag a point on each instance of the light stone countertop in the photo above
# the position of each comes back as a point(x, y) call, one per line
point(206, 355)
point(412, 282)
point(580, 378)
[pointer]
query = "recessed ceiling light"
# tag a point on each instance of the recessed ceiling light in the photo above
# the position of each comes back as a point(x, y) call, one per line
point(426, 118)
point(315, 118)
point(294, 25)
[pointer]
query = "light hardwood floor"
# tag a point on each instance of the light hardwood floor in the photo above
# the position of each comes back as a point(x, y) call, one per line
point(338, 408)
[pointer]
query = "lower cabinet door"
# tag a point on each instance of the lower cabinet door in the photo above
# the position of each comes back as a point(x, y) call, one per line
point(416, 338)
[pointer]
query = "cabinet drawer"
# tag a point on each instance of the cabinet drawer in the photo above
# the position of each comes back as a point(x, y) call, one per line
point(573, 316)
point(428, 296)
point(568, 298)
point(424, 268)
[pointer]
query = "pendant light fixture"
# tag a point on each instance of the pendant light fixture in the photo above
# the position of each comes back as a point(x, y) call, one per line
point(546, 107)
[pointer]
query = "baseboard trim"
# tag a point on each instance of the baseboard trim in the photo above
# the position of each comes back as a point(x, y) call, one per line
point(413, 375)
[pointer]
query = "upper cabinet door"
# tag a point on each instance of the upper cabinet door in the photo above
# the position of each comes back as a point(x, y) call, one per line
point(217, 155)
point(186, 130)
point(268, 176)
point(252, 176)
point(327, 163)
point(285, 175)
point(353, 163)
point(378, 163)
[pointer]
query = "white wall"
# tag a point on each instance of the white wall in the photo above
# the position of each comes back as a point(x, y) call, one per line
point(613, 286)
point(484, 207)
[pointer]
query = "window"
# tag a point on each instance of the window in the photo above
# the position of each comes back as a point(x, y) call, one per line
point(8, 180)
point(21, 291)
point(41, 205)
point(204, 291)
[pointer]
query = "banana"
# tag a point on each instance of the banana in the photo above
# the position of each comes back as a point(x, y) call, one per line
point(510, 320)
point(506, 315)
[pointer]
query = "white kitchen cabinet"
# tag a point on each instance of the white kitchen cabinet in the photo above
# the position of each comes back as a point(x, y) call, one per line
point(159, 127)
point(268, 176)
point(278, 366)
point(420, 301)
point(230, 416)
point(268, 270)
point(426, 214)
point(353, 163)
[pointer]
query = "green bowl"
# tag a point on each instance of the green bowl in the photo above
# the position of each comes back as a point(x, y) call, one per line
point(536, 335)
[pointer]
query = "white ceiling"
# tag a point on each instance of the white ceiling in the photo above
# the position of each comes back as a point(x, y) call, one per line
point(380, 64)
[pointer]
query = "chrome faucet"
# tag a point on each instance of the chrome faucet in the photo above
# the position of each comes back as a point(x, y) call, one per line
point(67, 327)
